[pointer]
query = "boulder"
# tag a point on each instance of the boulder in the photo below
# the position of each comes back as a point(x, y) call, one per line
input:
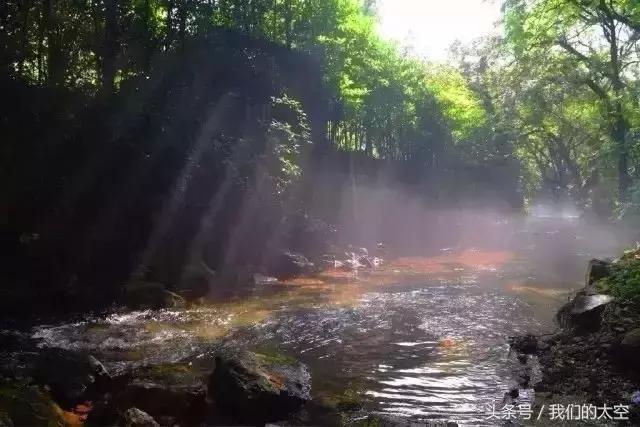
point(134, 417)
point(630, 345)
point(196, 281)
point(176, 390)
point(72, 378)
point(149, 295)
point(527, 344)
point(259, 388)
point(289, 264)
point(24, 404)
point(583, 311)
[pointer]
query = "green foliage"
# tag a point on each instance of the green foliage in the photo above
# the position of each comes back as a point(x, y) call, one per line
point(630, 210)
point(383, 102)
point(460, 104)
point(288, 136)
point(574, 64)
point(558, 92)
point(624, 281)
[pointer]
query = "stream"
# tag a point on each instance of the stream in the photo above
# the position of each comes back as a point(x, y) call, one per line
point(423, 336)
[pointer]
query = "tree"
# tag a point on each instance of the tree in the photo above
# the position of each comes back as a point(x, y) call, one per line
point(600, 38)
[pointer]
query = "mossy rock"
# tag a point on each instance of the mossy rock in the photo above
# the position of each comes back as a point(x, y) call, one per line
point(24, 404)
point(71, 377)
point(258, 387)
point(177, 390)
point(349, 400)
point(271, 357)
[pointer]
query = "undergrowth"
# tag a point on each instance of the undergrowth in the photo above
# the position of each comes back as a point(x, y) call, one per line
point(624, 281)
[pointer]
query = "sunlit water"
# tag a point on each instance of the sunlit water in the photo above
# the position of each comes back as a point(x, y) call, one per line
point(423, 337)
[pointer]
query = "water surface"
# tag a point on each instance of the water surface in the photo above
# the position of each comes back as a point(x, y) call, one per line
point(424, 336)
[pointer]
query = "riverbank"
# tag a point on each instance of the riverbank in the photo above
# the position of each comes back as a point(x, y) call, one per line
point(593, 359)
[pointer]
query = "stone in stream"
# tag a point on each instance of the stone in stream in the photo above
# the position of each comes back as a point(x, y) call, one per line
point(177, 390)
point(134, 417)
point(24, 404)
point(583, 311)
point(527, 344)
point(255, 387)
point(72, 378)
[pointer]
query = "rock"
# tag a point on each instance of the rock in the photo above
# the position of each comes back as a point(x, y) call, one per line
point(24, 404)
point(148, 295)
point(632, 339)
point(104, 412)
point(72, 378)
point(527, 344)
point(288, 264)
point(596, 270)
point(134, 417)
point(630, 345)
point(175, 389)
point(196, 281)
point(257, 387)
point(524, 379)
point(100, 373)
point(584, 311)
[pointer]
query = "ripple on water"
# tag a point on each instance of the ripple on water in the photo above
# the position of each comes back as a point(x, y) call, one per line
point(436, 352)
point(125, 340)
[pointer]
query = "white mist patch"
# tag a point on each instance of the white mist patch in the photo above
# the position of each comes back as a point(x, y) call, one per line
point(561, 211)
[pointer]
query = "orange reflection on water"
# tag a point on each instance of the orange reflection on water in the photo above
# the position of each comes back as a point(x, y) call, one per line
point(529, 287)
point(467, 259)
point(342, 286)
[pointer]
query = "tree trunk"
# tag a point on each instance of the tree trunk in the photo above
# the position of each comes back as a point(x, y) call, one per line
point(168, 25)
point(109, 48)
point(4, 36)
point(25, 36)
point(42, 31)
point(56, 54)
point(619, 133)
point(288, 13)
point(619, 125)
point(182, 22)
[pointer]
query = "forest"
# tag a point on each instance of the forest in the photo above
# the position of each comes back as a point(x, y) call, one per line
point(575, 61)
point(157, 150)
point(552, 103)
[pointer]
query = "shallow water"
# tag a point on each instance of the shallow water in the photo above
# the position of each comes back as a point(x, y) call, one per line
point(423, 336)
